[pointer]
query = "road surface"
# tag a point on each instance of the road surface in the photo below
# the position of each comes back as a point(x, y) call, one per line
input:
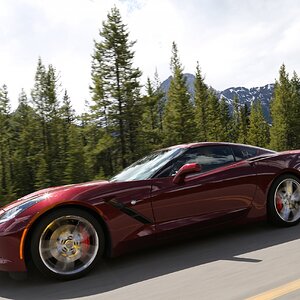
point(232, 264)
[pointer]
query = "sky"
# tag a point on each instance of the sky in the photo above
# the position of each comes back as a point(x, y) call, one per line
point(237, 42)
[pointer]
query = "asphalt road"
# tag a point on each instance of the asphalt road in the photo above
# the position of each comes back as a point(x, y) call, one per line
point(232, 264)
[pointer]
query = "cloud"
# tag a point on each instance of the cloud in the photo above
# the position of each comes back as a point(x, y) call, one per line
point(237, 42)
point(234, 41)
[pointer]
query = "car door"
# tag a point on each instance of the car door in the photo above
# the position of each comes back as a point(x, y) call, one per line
point(223, 189)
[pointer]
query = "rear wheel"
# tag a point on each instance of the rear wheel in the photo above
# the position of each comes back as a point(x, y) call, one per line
point(284, 201)
point(67, 243)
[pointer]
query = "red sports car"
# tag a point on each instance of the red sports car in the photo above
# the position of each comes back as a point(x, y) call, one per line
point(64, 231)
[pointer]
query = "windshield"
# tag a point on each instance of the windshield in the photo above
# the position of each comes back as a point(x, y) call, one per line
point(146, 167)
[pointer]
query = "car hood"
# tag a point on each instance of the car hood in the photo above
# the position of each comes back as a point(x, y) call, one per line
point(290, 152)
point(52, 191)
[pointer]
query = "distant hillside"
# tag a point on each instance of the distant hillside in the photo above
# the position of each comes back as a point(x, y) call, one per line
point(190, 78)
point(245, 95)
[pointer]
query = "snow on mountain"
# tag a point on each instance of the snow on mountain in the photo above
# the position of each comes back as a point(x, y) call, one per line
point(245, 95)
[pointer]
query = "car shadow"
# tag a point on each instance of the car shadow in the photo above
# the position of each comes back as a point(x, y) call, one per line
point(146, 264)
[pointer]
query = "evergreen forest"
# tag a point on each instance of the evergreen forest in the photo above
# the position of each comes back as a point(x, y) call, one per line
point(45, 143)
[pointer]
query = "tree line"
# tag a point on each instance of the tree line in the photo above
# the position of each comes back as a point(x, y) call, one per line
point(44, 143)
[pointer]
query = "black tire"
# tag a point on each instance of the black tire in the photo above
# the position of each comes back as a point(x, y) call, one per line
point(283, 214)
point(75, 243)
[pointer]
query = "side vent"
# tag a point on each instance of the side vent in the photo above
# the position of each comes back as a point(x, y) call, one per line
point(129, 211)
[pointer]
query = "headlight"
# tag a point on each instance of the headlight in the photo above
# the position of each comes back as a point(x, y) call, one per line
point(13, 212)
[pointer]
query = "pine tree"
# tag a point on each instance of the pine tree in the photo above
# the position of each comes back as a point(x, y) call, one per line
point(55, 155)
point(6, 167)
point(90, 136)
point(38, 91)
point(67, 113)
point(236, 119)
point(75, 165)
point(244, 124)
point(63, 122)
point(38, 96)
point(42, 172)
point(161, 101)
point(100, 106)
point(282, 113)
point(101, 125)
point(295, 110)
point(151, 123)
point(258, 134)
point(214, 129)
point(226, 122)
point(46, 104)
point(116, 88)
point(24, 151)
point(200, 99)
point(99, 148)
point(178, 120)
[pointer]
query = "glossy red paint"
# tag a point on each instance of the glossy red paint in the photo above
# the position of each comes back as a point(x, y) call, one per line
point(222, 191)
point(142, 212)
point(9, 250)
point(184, 171)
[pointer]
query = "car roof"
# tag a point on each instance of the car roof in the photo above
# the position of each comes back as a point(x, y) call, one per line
point(201, 144)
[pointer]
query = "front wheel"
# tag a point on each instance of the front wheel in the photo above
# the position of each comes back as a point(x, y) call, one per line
point(284, 201)
point(67, 243)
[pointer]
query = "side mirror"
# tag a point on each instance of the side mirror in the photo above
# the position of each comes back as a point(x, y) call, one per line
point(186, 170)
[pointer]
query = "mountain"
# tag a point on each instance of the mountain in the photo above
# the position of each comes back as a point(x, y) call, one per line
point(190, 78)
point(245, 95)
point(263, 93)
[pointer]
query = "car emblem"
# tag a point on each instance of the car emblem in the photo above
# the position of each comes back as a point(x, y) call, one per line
point(4, 261)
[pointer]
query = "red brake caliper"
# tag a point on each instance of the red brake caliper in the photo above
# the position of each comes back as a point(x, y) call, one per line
point(85, 242)
point(279, 204)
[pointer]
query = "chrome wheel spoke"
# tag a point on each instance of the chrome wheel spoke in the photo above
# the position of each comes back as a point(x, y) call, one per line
point(287, 200)
point(65, 265)
point(296, 213)
point(46, 253)
point(285, 213)
point(289, 187)
point(71, 247)
point(280, 194)
point(84, 257)
point(295, 197)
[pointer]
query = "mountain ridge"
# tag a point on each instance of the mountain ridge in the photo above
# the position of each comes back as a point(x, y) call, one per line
point(245, 95)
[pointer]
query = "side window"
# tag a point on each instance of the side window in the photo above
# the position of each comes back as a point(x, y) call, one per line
point(242, 153)
point(209, 157)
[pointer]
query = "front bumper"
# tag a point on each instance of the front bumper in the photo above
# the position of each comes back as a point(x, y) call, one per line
point(10, 260)
point(10, 255)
